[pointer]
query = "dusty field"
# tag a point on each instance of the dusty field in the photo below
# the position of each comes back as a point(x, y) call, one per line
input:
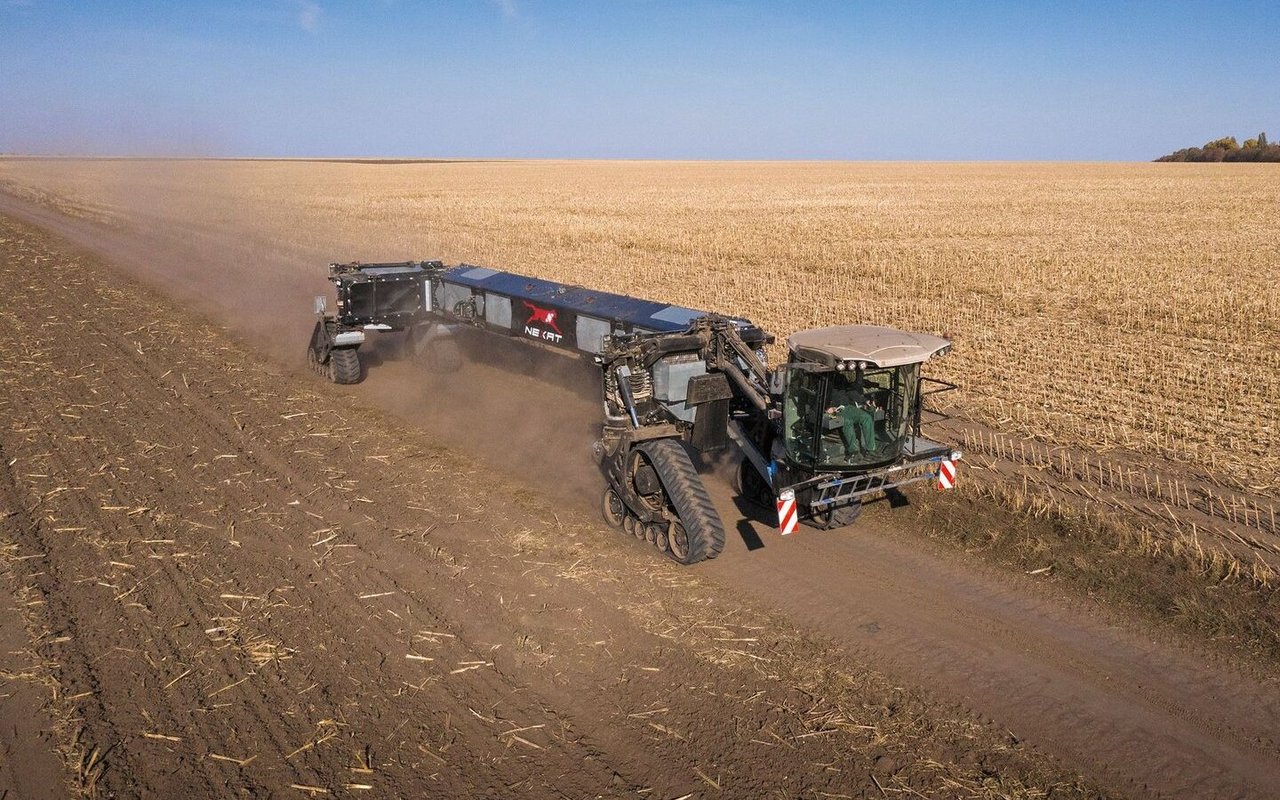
point(1117, 325)
point(184, 550)
point(234, 582)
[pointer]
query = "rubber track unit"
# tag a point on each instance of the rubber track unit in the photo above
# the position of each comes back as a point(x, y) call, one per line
point(344, 366)
point(685, 490)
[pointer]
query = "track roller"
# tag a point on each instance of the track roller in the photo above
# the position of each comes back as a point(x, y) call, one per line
point(614, 510)
point(659, 533)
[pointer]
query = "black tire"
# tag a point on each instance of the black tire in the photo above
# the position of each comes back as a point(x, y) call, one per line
point(752, 486)
point(344, 366)
point(839, 518)
point(444, 356)
point(436, 352)
point(688, 497)
point(613, 509)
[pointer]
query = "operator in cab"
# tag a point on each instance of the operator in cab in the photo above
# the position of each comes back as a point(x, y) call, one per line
point(854, 411)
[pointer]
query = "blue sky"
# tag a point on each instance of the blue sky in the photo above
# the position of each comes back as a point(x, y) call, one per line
point(730, 79)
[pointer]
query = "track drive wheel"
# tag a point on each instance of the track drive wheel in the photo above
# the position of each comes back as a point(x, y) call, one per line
point(344, 365)
point(687, 497)
point(614, 510)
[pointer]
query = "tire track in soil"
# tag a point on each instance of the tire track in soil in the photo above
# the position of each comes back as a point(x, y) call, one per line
point(210, 641)
point(1140, 711)
point(1144, 715)
point(197, 431)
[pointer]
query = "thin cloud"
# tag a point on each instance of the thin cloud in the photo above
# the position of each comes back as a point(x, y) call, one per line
point(308, 15)
point(508, 8)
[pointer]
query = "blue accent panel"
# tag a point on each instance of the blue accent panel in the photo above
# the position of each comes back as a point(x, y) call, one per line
point(657, 317)
point(677, 315)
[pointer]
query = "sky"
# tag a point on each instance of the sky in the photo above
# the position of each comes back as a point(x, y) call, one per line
point(723, 79)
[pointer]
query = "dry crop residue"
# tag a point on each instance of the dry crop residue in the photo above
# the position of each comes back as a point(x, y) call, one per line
point(240, 584)
point(1115, 323)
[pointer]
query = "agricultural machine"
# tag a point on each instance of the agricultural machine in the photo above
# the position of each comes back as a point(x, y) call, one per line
point(838, 422)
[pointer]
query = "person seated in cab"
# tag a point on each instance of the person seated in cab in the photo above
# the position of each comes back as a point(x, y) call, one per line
point(855, 413)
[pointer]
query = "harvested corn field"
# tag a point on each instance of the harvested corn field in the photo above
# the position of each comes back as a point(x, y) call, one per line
point(1116, 324)
point(280, 586)
point(234, 583)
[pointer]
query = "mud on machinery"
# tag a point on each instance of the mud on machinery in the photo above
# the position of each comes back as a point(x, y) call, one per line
point(839, 421)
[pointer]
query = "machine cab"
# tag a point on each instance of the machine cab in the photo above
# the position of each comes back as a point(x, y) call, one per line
point(852, 396)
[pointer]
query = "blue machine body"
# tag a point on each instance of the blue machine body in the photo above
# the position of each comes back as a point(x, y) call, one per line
point(557, 314)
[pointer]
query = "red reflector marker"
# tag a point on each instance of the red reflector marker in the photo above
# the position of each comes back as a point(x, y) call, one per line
point(947, 475)
point(788, 519)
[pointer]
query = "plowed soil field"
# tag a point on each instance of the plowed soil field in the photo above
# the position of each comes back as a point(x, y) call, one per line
point(224, 577)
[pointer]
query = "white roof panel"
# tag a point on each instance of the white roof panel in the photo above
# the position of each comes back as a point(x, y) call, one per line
point(884, 347)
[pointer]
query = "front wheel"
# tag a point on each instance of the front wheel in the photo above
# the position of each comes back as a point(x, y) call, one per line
point(837, 517)
point(344, 366)
point(752, 485)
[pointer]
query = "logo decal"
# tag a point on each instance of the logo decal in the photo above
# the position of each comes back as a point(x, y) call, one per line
point(542, 323)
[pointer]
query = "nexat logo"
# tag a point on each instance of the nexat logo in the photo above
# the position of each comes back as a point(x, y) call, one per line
point(541, 323)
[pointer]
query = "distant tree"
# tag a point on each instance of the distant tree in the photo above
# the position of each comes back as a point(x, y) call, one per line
point(1228, 149)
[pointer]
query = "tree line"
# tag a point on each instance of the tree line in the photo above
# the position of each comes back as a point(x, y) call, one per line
point(1228, 149)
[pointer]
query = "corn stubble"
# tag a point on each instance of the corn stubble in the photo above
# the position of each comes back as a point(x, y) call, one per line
point(1113, 308)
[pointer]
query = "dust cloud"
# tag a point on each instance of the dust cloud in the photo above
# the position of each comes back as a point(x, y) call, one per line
point(526, 412)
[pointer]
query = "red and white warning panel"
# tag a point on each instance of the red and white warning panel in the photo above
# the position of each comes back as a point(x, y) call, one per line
point(946, 474)
point(788, 519)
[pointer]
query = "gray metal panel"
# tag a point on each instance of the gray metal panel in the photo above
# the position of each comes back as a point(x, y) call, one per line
point(671, 377)
point(479, 273)
point(497, 311)
point(390, 270)
point(454, 294)
point(591, 333)
point(677, 315)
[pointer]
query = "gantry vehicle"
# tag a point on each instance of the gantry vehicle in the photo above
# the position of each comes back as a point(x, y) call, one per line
point(838, 422)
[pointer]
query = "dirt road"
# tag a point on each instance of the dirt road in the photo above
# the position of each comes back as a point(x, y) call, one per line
point(233, 581)
point(1138, 714)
